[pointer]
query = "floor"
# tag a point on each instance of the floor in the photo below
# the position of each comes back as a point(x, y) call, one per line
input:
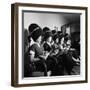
point(75, 71)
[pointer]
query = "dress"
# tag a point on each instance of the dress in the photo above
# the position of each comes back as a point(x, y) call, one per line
point(51, 61)
point(39, 65)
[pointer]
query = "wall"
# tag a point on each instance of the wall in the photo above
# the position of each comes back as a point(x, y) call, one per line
point(75, 27)
point(44, 19)
point(5, 45)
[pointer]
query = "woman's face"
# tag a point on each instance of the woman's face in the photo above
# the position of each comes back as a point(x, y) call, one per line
point(39, 39)
point(57, 40)
point(62, 40)
point(49, 39)
point(68, 44)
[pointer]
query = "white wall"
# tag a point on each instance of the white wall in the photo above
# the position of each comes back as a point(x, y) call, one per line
point(5, 45)
point(44, 19)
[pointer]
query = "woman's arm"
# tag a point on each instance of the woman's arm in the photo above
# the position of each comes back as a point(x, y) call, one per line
point(76, 60)
point(32, 56)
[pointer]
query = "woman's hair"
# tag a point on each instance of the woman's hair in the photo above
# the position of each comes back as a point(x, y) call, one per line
point(32, 27)
point(45, 29)
point(60, 37)
point(47, 35)
point(35, 31)
point(66, 37)
point(53, 32)
point(55, 37)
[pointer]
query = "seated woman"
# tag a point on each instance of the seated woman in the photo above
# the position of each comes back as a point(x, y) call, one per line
point(57, 53)
point(67, 57)
point(50, 61)
point(35, 50)
point(58, 50)
point(56, 45)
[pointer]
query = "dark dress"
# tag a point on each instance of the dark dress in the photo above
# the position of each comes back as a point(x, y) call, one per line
point(47, 47)
point(51, 60)
point(58, 55)
point(39, 65)
point(38, 50)
point(67, 62)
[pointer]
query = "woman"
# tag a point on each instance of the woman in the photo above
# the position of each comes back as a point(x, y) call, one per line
point(37, 59)
point(50, 61)
point(67, 55)
point(58, 52)
point(56, 45)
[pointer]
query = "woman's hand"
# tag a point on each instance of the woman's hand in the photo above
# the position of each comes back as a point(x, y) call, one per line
point(43, 57)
